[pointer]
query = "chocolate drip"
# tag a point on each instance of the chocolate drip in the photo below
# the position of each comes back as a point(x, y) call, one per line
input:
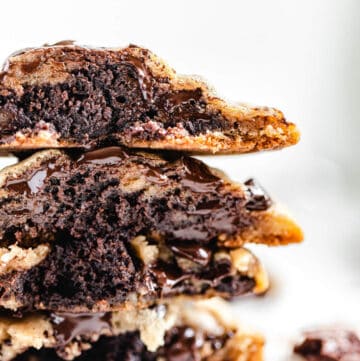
point(69, 326)
point(259, 199)
point(144, 76)
point(109, 156)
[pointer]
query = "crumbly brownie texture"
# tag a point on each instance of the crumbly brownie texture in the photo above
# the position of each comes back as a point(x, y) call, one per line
point(97, 229)
point(167, 332)
point(332, 344)
point(66, 95)
point(40, 278)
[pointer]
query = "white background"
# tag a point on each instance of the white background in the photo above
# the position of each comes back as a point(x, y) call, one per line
point(300, 56)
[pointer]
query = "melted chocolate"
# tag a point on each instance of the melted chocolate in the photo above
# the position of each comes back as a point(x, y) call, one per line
point(218, 271)
point(194, 252)
point(205, 208)
point(182, 103)
point(33, 182)
point(183, 96)
point(154, 175)
point(144, 76)
point(168, 275)
point(109, 156)
point(218, 275)
point(221, 219)
point(259, 199)
point(69, 326)
point(198, 177)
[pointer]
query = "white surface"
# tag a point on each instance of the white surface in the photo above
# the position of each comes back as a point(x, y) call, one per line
point(301, 56)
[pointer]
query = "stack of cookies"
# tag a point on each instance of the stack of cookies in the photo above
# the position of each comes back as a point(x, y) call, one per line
point(112, 238)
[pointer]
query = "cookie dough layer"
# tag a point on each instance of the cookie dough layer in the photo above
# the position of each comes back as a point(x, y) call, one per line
point(71, 96)
point(163, 332)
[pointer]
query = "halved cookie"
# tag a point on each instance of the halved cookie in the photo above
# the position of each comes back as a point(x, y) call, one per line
point(66, 95)
point(115, 228)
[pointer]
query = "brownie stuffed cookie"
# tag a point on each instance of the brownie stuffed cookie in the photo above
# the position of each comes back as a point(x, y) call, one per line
point(110, 228)
point(65, 95)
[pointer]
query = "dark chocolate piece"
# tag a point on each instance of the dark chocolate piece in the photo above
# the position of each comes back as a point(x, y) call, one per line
point(194, 252)
point(330, 345)
point(259, 200)
point(219, 277)
point(69, 326)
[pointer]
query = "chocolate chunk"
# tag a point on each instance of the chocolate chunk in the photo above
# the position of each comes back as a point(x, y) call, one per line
point(68, 326)
point(195, 252)
point(258, 198)
point(218, 276)
point(32, 182)
point(330, 345)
